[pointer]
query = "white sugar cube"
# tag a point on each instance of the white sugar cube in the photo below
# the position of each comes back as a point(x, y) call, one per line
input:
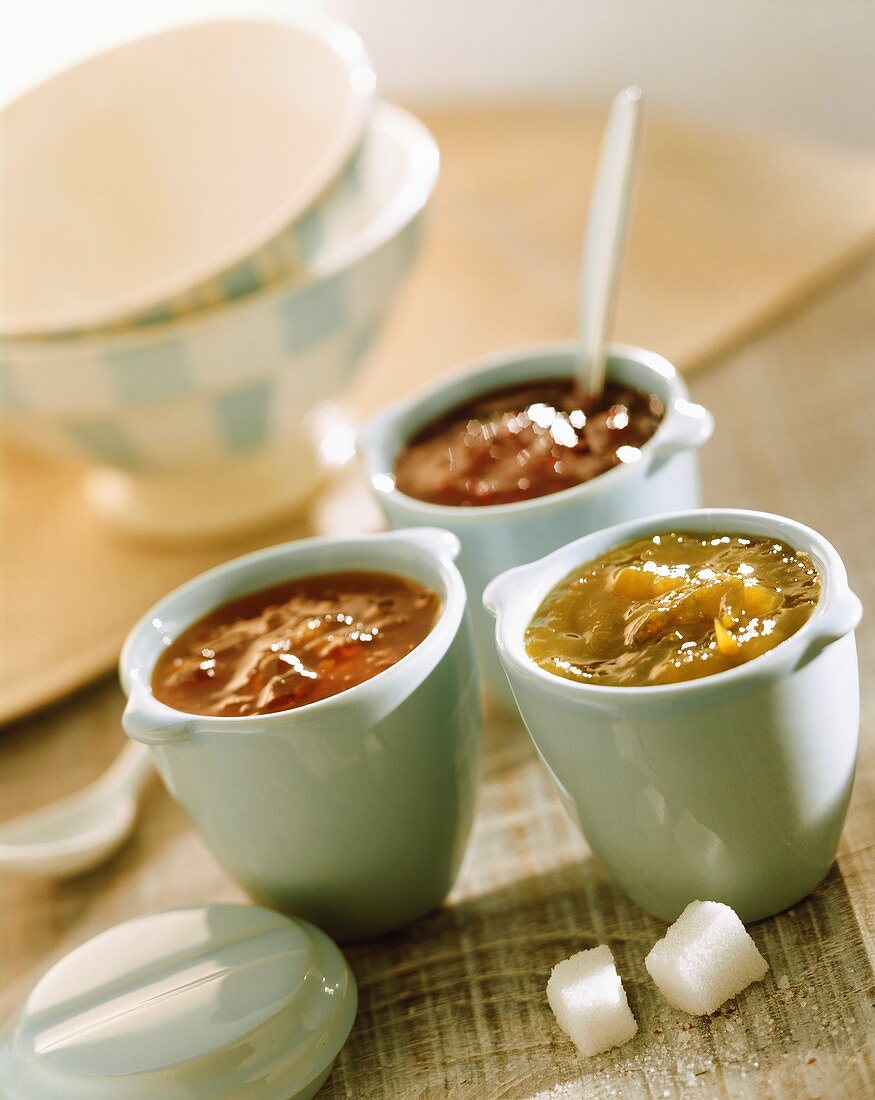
point(589, 1002)
point(705, 958)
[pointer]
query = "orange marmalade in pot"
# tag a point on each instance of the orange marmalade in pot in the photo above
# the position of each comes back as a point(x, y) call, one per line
point(295, 643)
point(672, 607)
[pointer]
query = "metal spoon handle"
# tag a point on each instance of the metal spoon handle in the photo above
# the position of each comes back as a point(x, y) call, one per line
point(605, 238)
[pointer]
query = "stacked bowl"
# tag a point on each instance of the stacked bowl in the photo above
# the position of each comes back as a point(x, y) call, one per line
point(204, 231)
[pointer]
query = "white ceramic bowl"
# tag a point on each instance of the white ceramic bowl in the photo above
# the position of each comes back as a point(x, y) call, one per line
point(352, 811)
point(199, 426)
point(168, 173)
point(729, 788)
point(498, 537)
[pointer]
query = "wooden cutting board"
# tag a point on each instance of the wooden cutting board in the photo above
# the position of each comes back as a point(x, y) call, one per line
point(730, 231)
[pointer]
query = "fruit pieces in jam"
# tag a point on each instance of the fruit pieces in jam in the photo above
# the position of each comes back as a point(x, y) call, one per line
point(295, 643)
point(525, 441)
point(673, 607)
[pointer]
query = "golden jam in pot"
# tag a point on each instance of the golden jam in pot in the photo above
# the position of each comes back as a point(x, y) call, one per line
point(672, 607)
point(294, 643)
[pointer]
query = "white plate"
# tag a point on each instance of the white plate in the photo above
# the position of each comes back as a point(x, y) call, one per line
point(136, 175)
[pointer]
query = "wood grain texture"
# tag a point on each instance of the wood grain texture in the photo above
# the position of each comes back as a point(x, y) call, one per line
point(728, 231)
point(455, 1005)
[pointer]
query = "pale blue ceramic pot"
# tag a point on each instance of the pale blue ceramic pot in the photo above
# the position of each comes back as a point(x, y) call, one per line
point(500, 536)
point(352, 812)
point(730, 788)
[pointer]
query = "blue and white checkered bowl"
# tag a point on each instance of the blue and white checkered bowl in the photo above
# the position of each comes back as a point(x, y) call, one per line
point(291, 254)
point(199, 425)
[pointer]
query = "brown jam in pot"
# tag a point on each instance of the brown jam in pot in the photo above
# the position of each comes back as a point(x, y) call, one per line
point(525, 441)
point(294, 643)
point(672, 607)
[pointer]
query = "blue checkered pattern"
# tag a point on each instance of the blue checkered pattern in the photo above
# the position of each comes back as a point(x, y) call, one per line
point(173, 392)
point(291, 252)
point(217, 387)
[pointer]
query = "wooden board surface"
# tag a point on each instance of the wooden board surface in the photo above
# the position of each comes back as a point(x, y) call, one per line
point(728, 231)
point(455, 1006)
point(71, 590)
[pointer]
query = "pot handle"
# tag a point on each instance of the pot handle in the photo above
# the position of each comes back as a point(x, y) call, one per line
point(839, 620)
point(690, 426)
point(506, 585)
point(151, 723)
point(369, 437)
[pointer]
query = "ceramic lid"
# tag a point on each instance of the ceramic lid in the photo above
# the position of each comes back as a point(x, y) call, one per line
point(207, 1003)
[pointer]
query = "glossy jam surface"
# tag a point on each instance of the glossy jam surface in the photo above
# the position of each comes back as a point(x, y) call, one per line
point(295, 643)
point(525, 441)
point(677, 606)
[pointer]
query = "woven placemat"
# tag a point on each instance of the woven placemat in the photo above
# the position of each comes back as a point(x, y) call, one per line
point(456, 1005)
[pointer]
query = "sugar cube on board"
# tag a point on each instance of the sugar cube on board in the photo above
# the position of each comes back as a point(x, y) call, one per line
point(588, 1000)
point(705, 958)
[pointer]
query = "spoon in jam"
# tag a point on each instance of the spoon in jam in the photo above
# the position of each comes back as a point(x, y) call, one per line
point(605, 239)
point(79, 832)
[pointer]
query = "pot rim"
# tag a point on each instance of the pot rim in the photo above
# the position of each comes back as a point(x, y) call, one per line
point(685, 425)
point(148, 719)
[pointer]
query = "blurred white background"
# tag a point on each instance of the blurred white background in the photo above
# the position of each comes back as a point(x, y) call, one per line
point(804, 66)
